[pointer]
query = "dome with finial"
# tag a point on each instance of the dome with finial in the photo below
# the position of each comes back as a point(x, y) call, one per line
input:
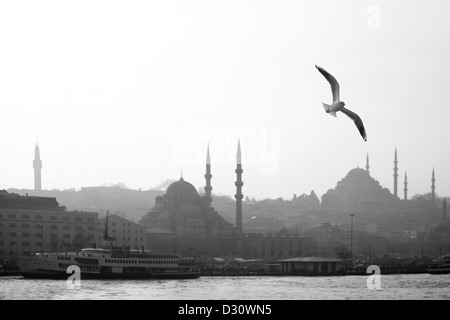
point(357, 175)
point(358, 190)
point(182, 188)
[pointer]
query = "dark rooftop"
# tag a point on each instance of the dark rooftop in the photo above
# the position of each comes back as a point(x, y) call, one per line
point(16, 201)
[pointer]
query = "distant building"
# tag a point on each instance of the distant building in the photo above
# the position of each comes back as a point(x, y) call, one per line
point(358, 190)
point(35, 224)
point(440, 234)
point(440, 237)
point(273, 248)
point(312, 265)
point(183, 212)
point(126, 233)
point(185, 222)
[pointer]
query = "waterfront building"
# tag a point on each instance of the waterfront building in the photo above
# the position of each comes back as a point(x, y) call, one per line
point(126, 233)
point(312, 265)
point(31, 224)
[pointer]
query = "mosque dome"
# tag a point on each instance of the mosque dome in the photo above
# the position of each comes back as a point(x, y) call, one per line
point(357, 174)
point(359, 178)
point(182, 189)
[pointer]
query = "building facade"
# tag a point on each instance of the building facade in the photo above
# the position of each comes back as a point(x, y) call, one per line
point(35, 224)
point(125, 233)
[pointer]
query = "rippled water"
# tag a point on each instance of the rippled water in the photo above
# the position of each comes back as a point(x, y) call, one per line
point(408, 287)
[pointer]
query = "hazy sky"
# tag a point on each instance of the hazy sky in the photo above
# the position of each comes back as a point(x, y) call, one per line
point(132, 91)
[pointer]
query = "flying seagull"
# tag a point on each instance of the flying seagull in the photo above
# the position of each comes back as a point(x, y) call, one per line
point(338, 105)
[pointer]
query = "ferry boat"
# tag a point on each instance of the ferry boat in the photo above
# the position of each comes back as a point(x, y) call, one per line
point(110, 264)
point(440, 266)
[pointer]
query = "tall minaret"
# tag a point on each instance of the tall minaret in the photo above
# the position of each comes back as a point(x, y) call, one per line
point(367, 163)
point(37, 165)
point(395, 173)
point(208, 176)
point(444, 207)
point(433, 187)
point(405, 190)
point(238, 194)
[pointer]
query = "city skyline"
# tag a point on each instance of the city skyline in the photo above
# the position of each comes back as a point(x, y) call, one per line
point(208, 185)
point(134, 93)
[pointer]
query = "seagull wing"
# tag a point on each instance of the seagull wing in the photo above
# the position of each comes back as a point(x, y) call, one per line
point(333, 83)
point(358, 122)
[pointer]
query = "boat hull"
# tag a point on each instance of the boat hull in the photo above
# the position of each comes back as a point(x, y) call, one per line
point(60, 275)
point(440, 271)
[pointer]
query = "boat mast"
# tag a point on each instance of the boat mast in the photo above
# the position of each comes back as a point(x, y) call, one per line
point(105, 236)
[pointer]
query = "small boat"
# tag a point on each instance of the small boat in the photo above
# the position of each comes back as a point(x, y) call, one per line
point(96, 263)
point(440, 266)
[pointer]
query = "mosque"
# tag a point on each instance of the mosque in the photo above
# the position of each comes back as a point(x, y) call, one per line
point(358, 190)
point(185, 222)
point(183, 212)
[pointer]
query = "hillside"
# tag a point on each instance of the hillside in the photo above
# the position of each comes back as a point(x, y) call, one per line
point(128, 203)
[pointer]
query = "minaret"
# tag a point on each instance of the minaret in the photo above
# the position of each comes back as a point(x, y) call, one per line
point(208, 176)
point(444, 207)
point(37, 165)
point(238, 194)
point(395, 173)
point(433, 187)
point(406, 188)
point(367, 164)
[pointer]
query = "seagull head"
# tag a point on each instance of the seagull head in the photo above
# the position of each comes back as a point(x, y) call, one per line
point(341, 103)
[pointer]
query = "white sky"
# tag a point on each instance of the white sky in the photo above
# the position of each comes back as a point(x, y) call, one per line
point(132, 91)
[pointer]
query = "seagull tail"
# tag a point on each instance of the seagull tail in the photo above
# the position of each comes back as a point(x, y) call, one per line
point(327, 108)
